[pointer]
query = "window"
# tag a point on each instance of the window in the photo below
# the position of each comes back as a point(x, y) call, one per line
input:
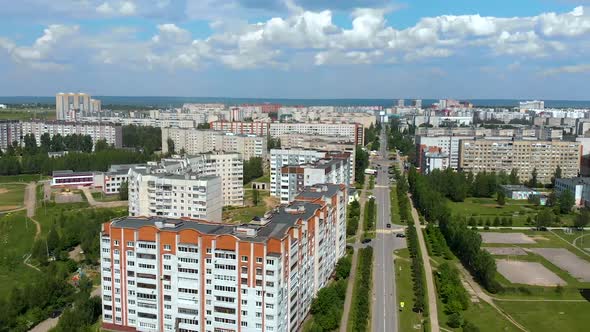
point(270, 262)
point(167, 257)
point(116, 242)
point(167, 267)
point(130, 244)
point(244, 258)
point(258, 259)
point(167, 247)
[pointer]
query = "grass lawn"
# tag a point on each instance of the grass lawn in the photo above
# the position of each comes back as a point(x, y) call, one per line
point(16, 239)
point(395, 218)
point(408, 319)
point(549, 316)
point(27, 114)
point(11, 196)
point(25, 178)
point(246, 213)
point(101, 197)
point(487, 208)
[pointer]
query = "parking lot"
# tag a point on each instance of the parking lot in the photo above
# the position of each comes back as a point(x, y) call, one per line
point(528, 273)
point(511, 238)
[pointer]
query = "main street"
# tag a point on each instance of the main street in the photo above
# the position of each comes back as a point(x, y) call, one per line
point(384, 304)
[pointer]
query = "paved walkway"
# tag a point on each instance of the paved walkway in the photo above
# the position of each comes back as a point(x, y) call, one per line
point(431, 291)
point(30, 204)
point(95, 203)
point(356, 245)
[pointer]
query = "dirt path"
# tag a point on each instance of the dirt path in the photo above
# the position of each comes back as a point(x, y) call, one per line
point(354, 263)
point(432, 305)
point(30, 205)
point(466, 276)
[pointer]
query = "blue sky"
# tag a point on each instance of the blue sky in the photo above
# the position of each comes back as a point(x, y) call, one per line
point(297, 48)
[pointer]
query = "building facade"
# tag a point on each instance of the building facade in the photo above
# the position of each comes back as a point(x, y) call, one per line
point(481, 155)
point(113, 134)
point(228, 166)
point(178, 275)
point(241, 127)
point(579, 187)
point(352, 131)
point(69, 106)
point(295, 178)
point(194, 141)
point(174, 196)
point(10, 131)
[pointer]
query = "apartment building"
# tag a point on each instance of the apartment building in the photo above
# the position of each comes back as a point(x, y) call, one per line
point(188, 195)
point(320, 143)
point(10, 131)
point(240, 127)
point(353, 131)
point(161, 274)
point(194, 141)
point(579, 188)
point(479, 155)
point(113, 134)
point(68, 106)
point(293, 179)
point(228, 166)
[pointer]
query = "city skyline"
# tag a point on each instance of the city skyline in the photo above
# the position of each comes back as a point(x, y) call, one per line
point(297, 49)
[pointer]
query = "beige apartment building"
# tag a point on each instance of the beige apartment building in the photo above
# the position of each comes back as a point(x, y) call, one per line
point(479, 155)
point(68, 106)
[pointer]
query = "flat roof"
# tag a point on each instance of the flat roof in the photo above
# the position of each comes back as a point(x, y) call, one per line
point(279, 222)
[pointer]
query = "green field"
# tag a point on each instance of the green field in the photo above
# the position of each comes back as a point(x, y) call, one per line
point(488, 209)
point(25, 178)
point(101, 197)
point(549, 316)
point(16, 238)
point(27, 114)
point(408, 319)
point(245, 214)
point(11, 196)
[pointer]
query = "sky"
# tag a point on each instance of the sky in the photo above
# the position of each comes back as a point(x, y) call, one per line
point(466, 49)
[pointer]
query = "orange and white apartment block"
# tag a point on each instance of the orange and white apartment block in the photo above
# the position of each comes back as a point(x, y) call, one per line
point(184, 275)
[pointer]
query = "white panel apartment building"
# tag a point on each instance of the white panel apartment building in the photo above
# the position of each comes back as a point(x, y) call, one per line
point(228, 166)
point(177, 275)
point(10, 131)
point(113, 134)
point(195, 141)
point(174, 196)
point(353, 131)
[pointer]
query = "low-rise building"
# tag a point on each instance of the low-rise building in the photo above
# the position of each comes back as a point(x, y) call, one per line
point(71, 179)
point(518, 191)
point(189, 195)
point(432, 159)
point(579, 187)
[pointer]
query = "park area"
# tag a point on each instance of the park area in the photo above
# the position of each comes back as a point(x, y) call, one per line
point(542, 275)
point(485, 211)
point(253, 206)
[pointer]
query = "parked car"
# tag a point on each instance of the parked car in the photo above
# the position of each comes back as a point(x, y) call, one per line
point(400, 235)
point(388, 225)
point(365, 241)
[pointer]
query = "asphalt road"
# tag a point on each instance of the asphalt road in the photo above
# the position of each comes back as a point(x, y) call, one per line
point(384, 306)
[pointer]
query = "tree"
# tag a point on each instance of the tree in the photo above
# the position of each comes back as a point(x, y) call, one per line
point(252, 169)
point(53, 241)
point(124, 191)
point(255, 196)
point(57, 143)
point(205, 125)
point(45, 142)
point(171, 148)
point(501, 198)
point(556, 175)
point(566, 201)
point(30, 144)
point(513, 177)
point(545, 218)
point(582, 219)
point(101, 145)
point(361, 163)
point(533, 182)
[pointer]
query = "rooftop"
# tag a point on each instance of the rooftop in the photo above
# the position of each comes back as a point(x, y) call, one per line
point(274, 224)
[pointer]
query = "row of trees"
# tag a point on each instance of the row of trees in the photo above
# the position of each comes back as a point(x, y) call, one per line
point(73, 142)
point(361, 299)
point(327, 306)
point(453, 296)
point(437, 243)
point(464, 242)
point(402, 140)
point(76, 161)
point(361, 162)
point(370, 215)
point(354, 213)
point(418, 279)
point(403, 201)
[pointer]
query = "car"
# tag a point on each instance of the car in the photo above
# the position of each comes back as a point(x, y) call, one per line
point(388, 225)
point(365, 241)
point(400, 235)
point(542, 228)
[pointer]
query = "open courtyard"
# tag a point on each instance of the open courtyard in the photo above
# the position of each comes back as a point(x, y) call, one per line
point(528, 273)
point(510, 238)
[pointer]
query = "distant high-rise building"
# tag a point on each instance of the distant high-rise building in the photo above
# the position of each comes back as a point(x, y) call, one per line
point(418, 103)
point(532, 105)
point(400, 103)
point(68, 105)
